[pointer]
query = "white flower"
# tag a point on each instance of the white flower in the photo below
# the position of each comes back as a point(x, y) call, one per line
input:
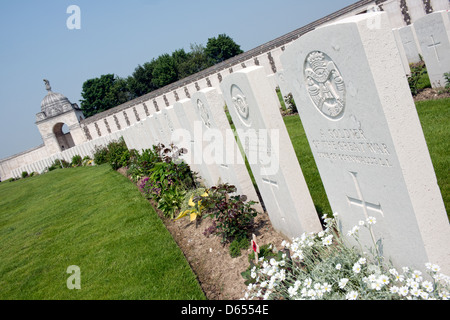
point(411, 283)
point(326, 287)
point(415, 292)
point(417, 275)
point(428, 286)
point(399, 278)
point(444, 295)
point(376, 286)
point(292, 291)
point(424, 295)
point(371, 220)
point(321, 234)
point(394, 289)
point(311, 293)
point(253, 275)
point(361, 222)
point(308, 283)
point(353, 231)
point(383, 279)
point(362, 261)
point(343, 282)
point(403, 291)
point(372, 278)
point(352, 295)
point(435, 268)
point(356, 268)
point(393, 272)
point(335, 214)
point(338, 266)
point(328, 240)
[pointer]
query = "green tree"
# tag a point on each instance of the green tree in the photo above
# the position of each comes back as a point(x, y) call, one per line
point(140, 82)
point(221, 48)
point(196, 62)
point(103, 93)
point(165, 71)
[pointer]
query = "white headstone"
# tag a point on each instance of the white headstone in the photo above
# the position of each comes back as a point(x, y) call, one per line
point(410, 43)
point(366, 138)
point(128, 137)
point(392, 8)
point(162, 127)
point(155, 129)
point(267, 145)
point(433, 33)
point(401, 51)
point(416, 9)
point(188, 138)
point(222, 147)
point(439, 5)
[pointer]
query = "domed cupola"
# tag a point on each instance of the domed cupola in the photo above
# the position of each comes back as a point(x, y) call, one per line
point(54, 104)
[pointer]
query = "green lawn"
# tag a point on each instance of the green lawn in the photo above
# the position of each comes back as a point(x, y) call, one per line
point(434, 116)
point(93, 218)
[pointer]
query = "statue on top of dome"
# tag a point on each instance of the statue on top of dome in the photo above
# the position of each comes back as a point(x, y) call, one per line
point(47, 85)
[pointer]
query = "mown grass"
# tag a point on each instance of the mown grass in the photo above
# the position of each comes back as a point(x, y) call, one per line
point(304, 155)
point(433, 115)
point(94, 218)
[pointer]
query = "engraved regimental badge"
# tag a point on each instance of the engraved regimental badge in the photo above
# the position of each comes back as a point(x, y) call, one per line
point(204, 115)
point(241, 105)
point(325, 85)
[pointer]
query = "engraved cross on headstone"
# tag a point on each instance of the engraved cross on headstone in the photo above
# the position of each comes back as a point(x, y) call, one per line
point(361, 202)
point(434, 45)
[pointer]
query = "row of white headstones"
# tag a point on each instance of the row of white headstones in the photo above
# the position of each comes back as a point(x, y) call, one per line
point(428, 38)
point(360, 120)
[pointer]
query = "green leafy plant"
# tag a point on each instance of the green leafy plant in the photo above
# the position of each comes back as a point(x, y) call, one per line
point(170, 201)
point(290, 103)
point(233, 216)
point(59, 164)
point(118, 154)
point(418, 79)
point(24, 174)
point(76, 161)
point(447, 80)
point(100, 155)
point(237, 245)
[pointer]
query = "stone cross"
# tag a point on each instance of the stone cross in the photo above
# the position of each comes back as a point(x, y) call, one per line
point(434, 46)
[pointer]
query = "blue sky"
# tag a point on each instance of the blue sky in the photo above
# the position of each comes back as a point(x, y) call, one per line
point(115, 37)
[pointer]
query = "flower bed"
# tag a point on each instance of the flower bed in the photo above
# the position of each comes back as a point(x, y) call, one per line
point(323, 266)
